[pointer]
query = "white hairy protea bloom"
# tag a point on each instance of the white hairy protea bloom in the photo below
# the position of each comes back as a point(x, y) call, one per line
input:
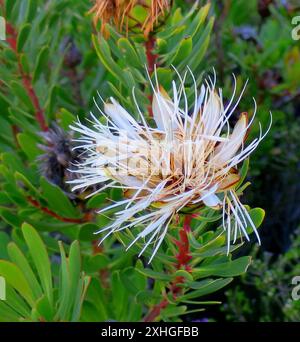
point(188, 159)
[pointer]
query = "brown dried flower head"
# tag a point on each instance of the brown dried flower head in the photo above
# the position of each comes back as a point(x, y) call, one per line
point(119, 12)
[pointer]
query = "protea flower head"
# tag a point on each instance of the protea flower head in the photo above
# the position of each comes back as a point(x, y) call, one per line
point(188, 159)
point(59, 155)
point(119, 12)
point(107, 11)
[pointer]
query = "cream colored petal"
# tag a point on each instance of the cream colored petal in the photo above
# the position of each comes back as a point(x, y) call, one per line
point(226, 150)
point(211, 114)
point(163, 111)
point(228, 182)
point(121, 118)
point(211, 200)
point(129, 181)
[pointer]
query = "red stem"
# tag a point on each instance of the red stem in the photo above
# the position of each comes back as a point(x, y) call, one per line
point(151, 57)
point(26, 78)
point(183, 257)
point(151, 61)
point(36, 204)
point(156, 311)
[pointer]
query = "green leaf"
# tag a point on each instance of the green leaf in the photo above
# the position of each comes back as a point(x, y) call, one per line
point(257, 216)
point(161, 45)
point(52, 99)
point(65, 118)
point(23, 36)
point(21, 93)
point(17, 302)
point(133, 280)
point(155, 275)
point(218, 241)
point(199, 48)
point(243, 172)
point(15, 277)
point(197, 22)
point(80, 297)
point(141, 282)
point(64, 294)
point(13, 162)
point(129, 52)
point(224, 269)
point(57, 200)
point(116, 92)
point(177, 16)
point(212, 217)
point(27, 184)
point(202, 302)
point(40, 258)
point(20, 117)
point(10, 217)
point(72, 285)
point(104, 54)
point(20, 260)
point(205, 288)
point(116, 194)
point(31, 10)
point(25, 63)
point(4, 199)
point(96, 300)
point(184, 49)
point(165, 77)
point(44, 309)
point(41, 62)
point(95, 263)
point(119, 298)
point(184, 274)
point(29, 145)
point(147, 297)
point(96, 201)
point(173, 311)
point(214, 251)
point(74, 269)
point(4, 240)
point(7, 314)
point(9, 5)
point(86, 232)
